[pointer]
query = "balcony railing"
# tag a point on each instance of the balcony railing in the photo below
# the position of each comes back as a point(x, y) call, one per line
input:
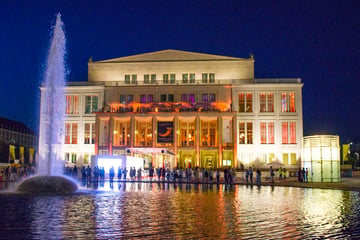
point(167, 107)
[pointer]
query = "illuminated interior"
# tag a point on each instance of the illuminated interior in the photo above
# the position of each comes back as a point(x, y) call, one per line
point(321, 156)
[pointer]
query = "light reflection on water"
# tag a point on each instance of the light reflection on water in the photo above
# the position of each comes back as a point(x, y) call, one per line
point(154, 211)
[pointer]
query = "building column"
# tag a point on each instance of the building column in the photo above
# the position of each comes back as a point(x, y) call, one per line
point(176, 137)
point(198, 140)
point(220, 138)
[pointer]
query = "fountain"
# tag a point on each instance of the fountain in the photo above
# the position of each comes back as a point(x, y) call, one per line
point(50, 167)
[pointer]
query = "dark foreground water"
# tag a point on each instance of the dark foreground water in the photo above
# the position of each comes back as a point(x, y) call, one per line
point(165, 211)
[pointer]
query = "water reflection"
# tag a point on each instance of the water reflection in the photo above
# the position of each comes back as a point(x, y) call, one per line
point(167, 210)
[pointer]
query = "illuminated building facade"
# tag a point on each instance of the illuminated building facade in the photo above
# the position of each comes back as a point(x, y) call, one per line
point(178, 108)
point(17, 143)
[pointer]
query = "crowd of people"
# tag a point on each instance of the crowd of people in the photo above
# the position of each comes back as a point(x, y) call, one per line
point(180, 175)
point(16, 173)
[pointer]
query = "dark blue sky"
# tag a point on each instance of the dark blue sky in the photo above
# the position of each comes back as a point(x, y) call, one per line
point(318, 41)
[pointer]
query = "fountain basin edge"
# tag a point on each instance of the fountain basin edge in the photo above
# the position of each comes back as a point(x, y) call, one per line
point(44, 184)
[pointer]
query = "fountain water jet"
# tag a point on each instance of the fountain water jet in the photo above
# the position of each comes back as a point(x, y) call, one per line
point(50, 166)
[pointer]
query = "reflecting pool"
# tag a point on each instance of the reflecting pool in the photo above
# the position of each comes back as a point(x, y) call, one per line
point(168, 211)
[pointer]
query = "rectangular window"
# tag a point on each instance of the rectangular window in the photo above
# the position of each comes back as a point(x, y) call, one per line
point(211, 77)
point(72, 104)
point(150, 98)
point(288, 132)
point(143, 133)
point(184, 97)
point(123, 99)
point(292, 132)
point(192, 77)
point(293, 158)
point(211, 97)
point(171, 97)
point(134, 79)
point(187, 133)
point(205, 97)
point(73, 157)
point(91, 103)
point(208, 133)
point(121, 132)
point(204, 78)
point(86, 158)
point(163, 98)
point(266, 102)
point(267, 133)
point(127, 79)
point(142, 98)
point(245, 102)
point(172, 78)
point(146, 78)
point(153, 78)
point(129, 98)
point(285, 158)
point(191, 98)
point(71, 133)
point(165, 78)
point(245, 133)
point(288, 102)
point(185, 77)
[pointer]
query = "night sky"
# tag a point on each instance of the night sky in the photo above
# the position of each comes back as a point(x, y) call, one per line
point(317, 41)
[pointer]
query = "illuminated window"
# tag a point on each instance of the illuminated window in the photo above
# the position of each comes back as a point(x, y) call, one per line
point(208, 133)
point(285, 158)
point(134, 79)
point(245, 133)
point(73, 157)
point(126, 98)
point(187, 133)
point(267, 133)
point(121, 132)
point(266, 102)
point(288, 132)
point(172, 78)
point(71, 133)
point(91, 103)
point(293, 158)
point(165, 78)
point(245, 102)
point(146, 78)
point(153, 78)
point(143, 133)
point(208, 97)
point(146, 98)
point(204, 78)
point(211, 77)
point(86, 158)
point(127, 79)
point(192, 77)
point(89, 133)
point(72, 104)
point(185, 78)
point(287, 102)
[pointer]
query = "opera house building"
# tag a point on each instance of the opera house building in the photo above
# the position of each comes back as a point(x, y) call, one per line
point(178, 109)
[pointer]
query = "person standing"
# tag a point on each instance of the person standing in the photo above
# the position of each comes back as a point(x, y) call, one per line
point(284, 174)
point(217, 176)
point(247, 175)
point(119, 173)
point(271, 175)
point(251, 174)
point(124, 173)
point(258, 177)
point(280, 174)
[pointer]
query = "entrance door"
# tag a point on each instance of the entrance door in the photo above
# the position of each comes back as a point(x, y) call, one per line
point(209, 162)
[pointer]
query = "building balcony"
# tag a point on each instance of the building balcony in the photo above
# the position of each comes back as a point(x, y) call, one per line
point(174, 107)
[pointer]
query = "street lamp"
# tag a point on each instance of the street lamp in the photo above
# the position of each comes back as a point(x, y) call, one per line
point(349, 150)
